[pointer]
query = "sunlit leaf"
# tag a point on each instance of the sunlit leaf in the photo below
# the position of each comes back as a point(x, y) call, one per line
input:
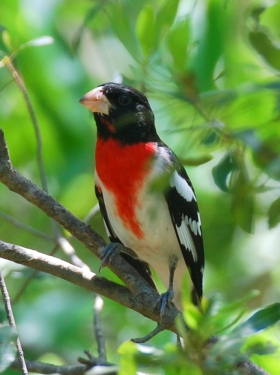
point(146, 29)
point(177, 42)
point(196, 161)
point(127, 362)
point(166, 16)
point(148, 355)
point(192, 315)
point(38, 42)
point(6, 42)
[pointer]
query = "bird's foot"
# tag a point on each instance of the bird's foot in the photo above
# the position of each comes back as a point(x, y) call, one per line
point(154, 332)
point(164, 300)
point(110, 250)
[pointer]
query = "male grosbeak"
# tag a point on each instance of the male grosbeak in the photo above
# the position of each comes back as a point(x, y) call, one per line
point(161, 225)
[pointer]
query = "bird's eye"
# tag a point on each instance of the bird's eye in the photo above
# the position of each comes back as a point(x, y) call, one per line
point(124, 99)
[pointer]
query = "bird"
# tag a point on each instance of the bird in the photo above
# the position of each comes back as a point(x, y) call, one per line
point(145, 196)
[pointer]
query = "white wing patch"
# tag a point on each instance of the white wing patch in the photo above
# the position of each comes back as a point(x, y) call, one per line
point(182, 187)
point(194, 225)
point(188, 224)
point(186, 238)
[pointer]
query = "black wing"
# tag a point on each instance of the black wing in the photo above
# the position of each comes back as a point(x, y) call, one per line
point(181, 201)
point(141, 267)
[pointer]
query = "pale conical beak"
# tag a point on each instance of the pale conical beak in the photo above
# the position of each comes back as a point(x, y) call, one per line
point(96, 101)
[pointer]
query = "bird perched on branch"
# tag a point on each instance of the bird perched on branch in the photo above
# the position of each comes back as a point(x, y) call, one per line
point(146, 198)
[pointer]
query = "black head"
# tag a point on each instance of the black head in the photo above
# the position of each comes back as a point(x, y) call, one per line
point(121, 112)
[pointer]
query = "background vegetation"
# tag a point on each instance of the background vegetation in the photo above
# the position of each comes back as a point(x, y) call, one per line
point(210, 69)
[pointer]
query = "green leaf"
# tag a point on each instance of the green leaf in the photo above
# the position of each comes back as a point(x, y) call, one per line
point(265, 153)
point(243, 201)
point(211, 44)
point(274, 213)
point(146, 30)
point(222, 171)
point(128, 365)
point(261, 348)
point(196, 161)
point(8, 337)
point(177, 43)
point(124, 30)
point(267, 157)
point(261, 320)
point(265, 47)
point(165, 17)
point(148, 355)
point(38, 42)
point(6, 41)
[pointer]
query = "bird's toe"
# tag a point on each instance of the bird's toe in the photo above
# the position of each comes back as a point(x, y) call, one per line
point(110, 250)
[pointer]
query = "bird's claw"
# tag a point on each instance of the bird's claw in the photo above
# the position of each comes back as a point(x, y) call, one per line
point(110, 250)
point(164, 299)
point(154, 332)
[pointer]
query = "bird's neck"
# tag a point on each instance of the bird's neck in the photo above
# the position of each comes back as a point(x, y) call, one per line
point(139, 131)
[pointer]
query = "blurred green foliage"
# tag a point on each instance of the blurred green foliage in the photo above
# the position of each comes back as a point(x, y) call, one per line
point(210, 69)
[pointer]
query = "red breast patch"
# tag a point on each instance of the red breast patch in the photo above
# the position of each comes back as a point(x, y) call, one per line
point(123, 169)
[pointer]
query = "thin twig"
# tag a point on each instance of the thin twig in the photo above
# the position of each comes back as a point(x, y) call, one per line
point(19, 81)
point(21, 85)
point(61, 241)
point(24, 285)
point(25, 227)
point(97, 307)
point(95, 209)
point(72, 256)
point(30, 278)
point(68, 249)
point(12, 322)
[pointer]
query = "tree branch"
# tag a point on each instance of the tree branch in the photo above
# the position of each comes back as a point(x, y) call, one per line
point(144, 296)
point(46, 368)
point(64, 270)
point(136, 295)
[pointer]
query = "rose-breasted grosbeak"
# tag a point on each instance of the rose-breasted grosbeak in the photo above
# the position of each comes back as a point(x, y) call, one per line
point(161, 225)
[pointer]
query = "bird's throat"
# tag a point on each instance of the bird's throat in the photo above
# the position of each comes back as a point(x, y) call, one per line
point(122, 170)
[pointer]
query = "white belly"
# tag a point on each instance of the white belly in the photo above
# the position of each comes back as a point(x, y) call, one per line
point(159, 241)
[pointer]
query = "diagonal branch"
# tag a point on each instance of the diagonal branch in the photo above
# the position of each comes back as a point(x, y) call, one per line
point(136, 295)
point(144, 296)
point(67, 271)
